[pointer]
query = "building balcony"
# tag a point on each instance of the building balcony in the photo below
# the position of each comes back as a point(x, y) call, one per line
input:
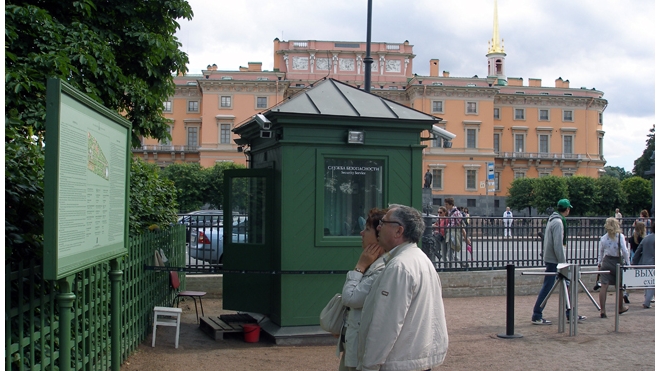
point(170, 148)
point(562, 160)
point(540, 155)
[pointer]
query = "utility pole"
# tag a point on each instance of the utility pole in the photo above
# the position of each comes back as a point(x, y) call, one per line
point(368, 60)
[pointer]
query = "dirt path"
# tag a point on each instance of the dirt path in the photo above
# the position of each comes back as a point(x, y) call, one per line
point(473, 325)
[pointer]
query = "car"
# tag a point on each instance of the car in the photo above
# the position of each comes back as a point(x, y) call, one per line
point(206, 244)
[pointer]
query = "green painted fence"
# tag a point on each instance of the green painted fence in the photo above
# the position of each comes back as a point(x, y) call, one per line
point(32, 313)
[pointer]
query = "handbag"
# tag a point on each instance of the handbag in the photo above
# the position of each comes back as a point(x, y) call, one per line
point(332, 316)
point(455, 239)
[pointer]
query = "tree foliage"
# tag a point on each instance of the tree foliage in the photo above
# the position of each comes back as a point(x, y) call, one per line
point(617, 172)
point(582, 194)
point(609, 195)
point(647, 161)
point(521, 194)
point(548, 190)
point(152, 199)
point(122, 54)
point(639, 195)
point(215, 179)
point(197, 186)
point(191, 184)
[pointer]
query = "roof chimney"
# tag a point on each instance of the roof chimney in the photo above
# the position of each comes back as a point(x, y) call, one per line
point(445, 73)
point(254, 66)
point(434, 65)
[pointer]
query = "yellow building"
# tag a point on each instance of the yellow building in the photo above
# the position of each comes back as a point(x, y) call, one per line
point(524, 130)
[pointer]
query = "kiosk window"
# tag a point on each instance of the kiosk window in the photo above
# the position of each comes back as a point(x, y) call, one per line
point(352, 187)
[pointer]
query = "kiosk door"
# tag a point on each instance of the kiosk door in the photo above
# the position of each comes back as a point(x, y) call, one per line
point(249, 228)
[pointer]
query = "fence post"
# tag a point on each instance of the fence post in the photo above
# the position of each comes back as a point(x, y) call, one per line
point(510, 303)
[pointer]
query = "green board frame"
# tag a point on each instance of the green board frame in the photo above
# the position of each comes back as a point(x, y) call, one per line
point(86, 182)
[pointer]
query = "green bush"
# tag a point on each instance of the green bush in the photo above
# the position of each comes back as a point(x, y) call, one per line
point(152, 199)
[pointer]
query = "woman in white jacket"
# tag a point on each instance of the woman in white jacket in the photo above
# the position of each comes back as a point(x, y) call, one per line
point(357, 286)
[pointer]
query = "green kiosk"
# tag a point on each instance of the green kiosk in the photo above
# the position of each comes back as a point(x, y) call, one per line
point(317, 163)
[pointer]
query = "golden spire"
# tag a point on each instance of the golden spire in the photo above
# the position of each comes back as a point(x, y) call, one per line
point(495, 46)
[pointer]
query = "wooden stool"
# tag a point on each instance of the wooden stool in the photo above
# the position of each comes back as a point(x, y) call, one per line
point(164, 316)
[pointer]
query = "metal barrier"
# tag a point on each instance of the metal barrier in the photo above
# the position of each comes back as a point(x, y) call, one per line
point(483, 245)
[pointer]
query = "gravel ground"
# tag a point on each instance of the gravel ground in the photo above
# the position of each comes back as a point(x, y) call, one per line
point(473, 324)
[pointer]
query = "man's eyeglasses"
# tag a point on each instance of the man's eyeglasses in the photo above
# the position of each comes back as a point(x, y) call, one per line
point(383, 221)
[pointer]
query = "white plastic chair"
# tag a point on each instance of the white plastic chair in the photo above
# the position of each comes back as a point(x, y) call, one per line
point(165, 316)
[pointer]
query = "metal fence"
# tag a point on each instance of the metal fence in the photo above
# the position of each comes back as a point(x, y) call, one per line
point(487, 243)
point(32, 312)
point(488, 247)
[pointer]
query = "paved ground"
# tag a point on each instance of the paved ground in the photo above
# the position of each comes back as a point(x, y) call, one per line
point(473, 325)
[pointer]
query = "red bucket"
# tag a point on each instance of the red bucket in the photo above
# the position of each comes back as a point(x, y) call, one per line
point(251, 332)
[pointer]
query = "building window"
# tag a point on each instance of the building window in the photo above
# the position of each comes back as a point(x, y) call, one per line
point(568, 115)
point(600, 146)
point(193, 106)
point(518, 174)
point(471, 108)
point(541, 175)
point(166, 141)
point(496, 113)
point(472, 202)
point(519, 114)
point(193, 139)
point(544, 115)
point(471, 138)
point(225, 133)
point(437, 142)
point(600, 118)
point(544, 143)
point(497, 203)
point(568, 174)
point(437, 106)
point(348, 193)
point(262, 102)
point(437, 179)
point(496, 142)
point(519, 140)
point(225, 102)
point(568, 144)
point(167, 106)
point(471, 179)
point(497, 181)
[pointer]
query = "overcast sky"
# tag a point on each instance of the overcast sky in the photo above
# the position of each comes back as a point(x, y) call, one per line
point(604, 44)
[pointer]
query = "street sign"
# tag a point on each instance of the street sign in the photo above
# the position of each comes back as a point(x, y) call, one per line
point(491, 171)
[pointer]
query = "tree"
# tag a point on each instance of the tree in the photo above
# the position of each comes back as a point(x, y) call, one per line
point(639, 194)
point(582, 194)
point(191, 183)
point(521, 194)
point(609, 195)
point(121, 54)
point(152, 199)
point(215, 196)
point(548, 190)
point(617, 172)
point(647, 161)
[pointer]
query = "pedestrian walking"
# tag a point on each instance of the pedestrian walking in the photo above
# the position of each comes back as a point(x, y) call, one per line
point(554, 245)
point(507, 220)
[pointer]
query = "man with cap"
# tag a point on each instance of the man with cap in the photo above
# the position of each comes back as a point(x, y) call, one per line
point(554, 246)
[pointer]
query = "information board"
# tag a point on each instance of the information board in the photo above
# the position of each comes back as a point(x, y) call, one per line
point(86, 182)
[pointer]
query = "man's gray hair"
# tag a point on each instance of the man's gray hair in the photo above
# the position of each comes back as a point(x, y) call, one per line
point(411, 219)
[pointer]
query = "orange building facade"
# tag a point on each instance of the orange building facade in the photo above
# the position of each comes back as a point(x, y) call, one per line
point(524, 130)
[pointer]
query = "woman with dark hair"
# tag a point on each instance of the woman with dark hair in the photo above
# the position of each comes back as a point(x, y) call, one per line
point(357, 286)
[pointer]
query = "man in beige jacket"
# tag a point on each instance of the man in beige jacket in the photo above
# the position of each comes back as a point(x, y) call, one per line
point(403, 323)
